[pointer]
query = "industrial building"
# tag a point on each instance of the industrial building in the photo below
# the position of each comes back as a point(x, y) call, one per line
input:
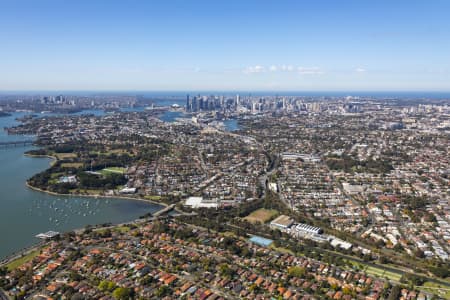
point(282, 222)
point(308, 228)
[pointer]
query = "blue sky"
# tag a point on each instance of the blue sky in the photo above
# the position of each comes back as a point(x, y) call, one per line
point(225, 45)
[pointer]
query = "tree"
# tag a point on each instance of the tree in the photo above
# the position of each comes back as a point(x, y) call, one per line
point(121, 293)
point(225, 270)
point(441, 271)
point(297, 271)
point(383, 260)
point(419, 253)
point(347, 290)
point(106, 285)
point(74, 276)
point(395, 293)
point(162, 291)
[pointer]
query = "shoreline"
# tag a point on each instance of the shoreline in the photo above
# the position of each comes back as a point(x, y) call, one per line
point(40, 156)
point(35, 246)
point(53, 158)
point(96, 196)
point(17, 253)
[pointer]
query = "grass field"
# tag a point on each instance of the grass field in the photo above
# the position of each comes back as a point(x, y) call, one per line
point(71, 165)
point(282, 250)
point(117, 151)
point(116, 170)
point(122, 229)
point(56, 175)
point(21, 260)
point(435, 288)
point(261, 215)
point(65, 155)
point(87, 191)
point(376, 271)
point(229, 233)
point(382, 273)
point(112, 151)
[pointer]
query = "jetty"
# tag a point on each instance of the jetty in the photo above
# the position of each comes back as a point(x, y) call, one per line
point(48, 235)
point(16, 143)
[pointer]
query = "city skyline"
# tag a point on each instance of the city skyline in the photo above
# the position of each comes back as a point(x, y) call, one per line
point(228, 46)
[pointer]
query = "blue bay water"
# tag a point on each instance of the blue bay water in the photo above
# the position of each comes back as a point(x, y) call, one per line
point(25, 213)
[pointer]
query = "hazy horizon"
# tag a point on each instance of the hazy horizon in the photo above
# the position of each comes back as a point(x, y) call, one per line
point(182, 94)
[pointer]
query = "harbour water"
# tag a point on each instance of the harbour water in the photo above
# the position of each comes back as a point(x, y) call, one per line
point(25, 213)
point(231, 125)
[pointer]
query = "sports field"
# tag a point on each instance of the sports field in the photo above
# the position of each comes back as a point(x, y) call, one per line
point(261, 215)
point(374, 271)
point(382, 273)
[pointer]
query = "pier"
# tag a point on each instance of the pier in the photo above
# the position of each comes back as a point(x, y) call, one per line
point(48, 235)
point(16, 143)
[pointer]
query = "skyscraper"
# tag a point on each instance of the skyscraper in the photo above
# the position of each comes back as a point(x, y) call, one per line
point(188, 104)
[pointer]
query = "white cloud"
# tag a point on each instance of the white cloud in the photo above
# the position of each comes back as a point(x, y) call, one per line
point(254, 69)
point(287, 68)
point(360, 70)
point(309, 71)
point(284, 68)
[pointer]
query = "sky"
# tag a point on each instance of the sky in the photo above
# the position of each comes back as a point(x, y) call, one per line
point(279, 45)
